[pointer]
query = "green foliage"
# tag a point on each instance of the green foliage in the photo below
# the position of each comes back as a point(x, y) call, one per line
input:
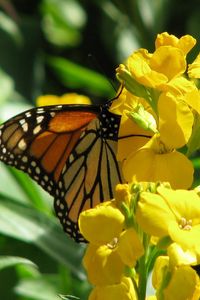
point(75, 76)
point(46, 48)
point(9, 261)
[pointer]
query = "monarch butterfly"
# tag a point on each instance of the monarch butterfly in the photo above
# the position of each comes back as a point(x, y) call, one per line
point(70, 150)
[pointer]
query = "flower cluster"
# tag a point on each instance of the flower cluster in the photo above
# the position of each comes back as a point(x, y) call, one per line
point(114, 246)
point(154, 221)
point(160, 95)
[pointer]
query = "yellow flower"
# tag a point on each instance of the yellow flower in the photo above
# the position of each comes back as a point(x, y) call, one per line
point(101, 224)
point(173, 213)
point(178, 256)
point(185, 43)
point(122, 194)
point(129, 247)
point(138, 68)
point(184, 285)
point(160, 271)
point(175, 120)
point(122, 291)
point(131, 136)
point(179, 86)
point(181, 283)
point(152, 70)
point(124, 101)
point(155, 162)
point(111, 246)
point(166, 103)
point(169, 61)
point(192, 98)
point(103, 265)
point(194, 68)
point(70, 98)
point(128, 102)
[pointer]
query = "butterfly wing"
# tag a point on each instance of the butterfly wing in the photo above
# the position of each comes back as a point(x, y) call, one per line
point(91, 172)
point(70, 151)
point(40, 140)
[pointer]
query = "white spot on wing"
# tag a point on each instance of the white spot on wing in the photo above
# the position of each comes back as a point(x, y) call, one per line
point(22, 145)
point(40, 119)
point(25, 159)
point(33, 164)
point(37, 170)
point(28, 114)
point(46, 178)
point(37, 129)
point(25, 127)
point(22, 121)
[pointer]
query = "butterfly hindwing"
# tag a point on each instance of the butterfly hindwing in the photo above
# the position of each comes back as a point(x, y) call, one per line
point(70, 150)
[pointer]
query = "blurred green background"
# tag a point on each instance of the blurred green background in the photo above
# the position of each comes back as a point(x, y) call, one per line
point(54, 47)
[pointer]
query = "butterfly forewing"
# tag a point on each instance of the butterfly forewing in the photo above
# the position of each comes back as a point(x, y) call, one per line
point(70, 150)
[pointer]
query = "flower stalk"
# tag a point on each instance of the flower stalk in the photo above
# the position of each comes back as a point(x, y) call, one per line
point(153, 222)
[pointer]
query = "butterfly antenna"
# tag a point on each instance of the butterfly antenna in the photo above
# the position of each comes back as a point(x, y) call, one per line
point(118, 94)
point(102, 70)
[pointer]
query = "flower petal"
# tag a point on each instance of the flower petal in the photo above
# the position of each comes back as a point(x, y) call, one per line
point(153, 214)
point(121, 291)
point(160, 267)
point(183, 203)
point(187, 239)
point(147, 164)
point(169, 61)
point(184, 285)
point(101, 224)
point(103, 265)
point(70, 98)
point(194, 68)
point(134, 138)
point(138, 65)
point(185, 43)
point(175, 122)
point(180, 257)
point(129, 247)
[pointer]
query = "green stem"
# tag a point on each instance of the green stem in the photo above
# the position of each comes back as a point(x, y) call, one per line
point(143, 268)
point(142, 284)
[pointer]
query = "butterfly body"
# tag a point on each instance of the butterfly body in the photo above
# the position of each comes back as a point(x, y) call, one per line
point(70, 150)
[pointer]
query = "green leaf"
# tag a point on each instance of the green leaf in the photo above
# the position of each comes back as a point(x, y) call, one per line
point(30, 190)
point(10, 261)
point(196, 163)
point(68, 297)
point(28, 225)
point(153, 14)
point(6, 86)
point(124, 38)
point(75, 76)
point(62, 21)
point(41, 288)
point(10, 27)
point(7, 181)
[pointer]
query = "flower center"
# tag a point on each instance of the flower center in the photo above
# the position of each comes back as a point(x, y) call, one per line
point(112, 244)
point(184, 224)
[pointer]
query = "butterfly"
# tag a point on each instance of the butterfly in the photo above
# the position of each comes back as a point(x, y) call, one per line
point(69, 150)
